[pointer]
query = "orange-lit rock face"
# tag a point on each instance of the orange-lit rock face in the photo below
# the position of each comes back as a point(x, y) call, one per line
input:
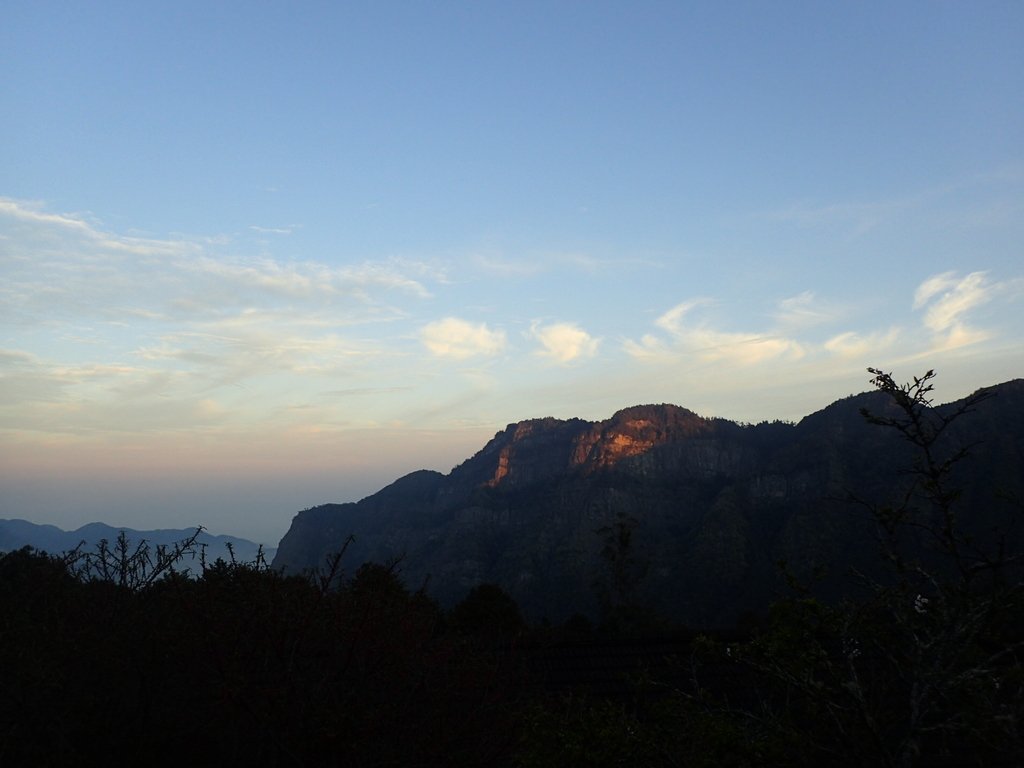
point(627, 435)
point(502, 469)
point(608, 446)
point(531, 450)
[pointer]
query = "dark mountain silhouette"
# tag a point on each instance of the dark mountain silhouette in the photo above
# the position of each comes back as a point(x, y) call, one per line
point(712, 506)
point(15, 534)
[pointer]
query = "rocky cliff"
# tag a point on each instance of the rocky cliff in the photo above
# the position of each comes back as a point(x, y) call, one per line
point(713, 506)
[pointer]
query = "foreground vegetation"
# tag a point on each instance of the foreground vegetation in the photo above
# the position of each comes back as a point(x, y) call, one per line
point(115, 656)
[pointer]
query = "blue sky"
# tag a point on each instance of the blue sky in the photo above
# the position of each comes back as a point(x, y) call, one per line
point(260, 256)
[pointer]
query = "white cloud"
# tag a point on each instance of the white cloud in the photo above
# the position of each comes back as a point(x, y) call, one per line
point(649, 349)
point(564, 342)
point(671, 321)
point(460, 339)
point(960, 335)
point(140, 246)
point(271, 230)
point(31, 212)
point(508, 268)
point(933, 285)
point(742, 348)
point(852, 345)
point(802, 311)
point(61, 270)
point(710, 344)
point(180, 321)
point(958, 296)
point(948, 299)
point(255, 344)
point(302, 280)
point(73, 225)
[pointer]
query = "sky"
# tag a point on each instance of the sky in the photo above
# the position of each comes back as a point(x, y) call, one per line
point(258, 256)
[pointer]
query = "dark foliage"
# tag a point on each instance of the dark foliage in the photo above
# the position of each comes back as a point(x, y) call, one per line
point(924, 665)
point(488, 613)
point(239, 666)
point(116, 655)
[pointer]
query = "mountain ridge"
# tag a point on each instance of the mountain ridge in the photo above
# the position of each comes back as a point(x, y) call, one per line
point(16, 533)
point(717, 504)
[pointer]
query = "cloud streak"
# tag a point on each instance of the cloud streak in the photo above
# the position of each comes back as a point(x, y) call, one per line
point(272, 230)
point(111, 274)
point(803, 311)
point(179, 321)
point(33, 213)
point(301, 281)
point(699, 340)
point(851, 345)
point(170, 335)
point(947, 299)
point(945, 305)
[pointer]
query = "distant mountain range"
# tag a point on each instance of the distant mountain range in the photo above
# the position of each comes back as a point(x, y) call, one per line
point(713, 507)
point(15, 534)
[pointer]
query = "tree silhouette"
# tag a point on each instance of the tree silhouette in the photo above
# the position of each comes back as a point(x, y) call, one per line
point(927, 666)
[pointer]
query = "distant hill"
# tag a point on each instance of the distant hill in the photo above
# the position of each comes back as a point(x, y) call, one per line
point(15, 534)
point(714, 506)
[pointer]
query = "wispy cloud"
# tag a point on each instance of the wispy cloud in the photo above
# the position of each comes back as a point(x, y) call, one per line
point(190, 332)
point(851, 345)
point(649, 348)
point(63, 266)
point(303, 280)
point(861, 217)
point(533, 264)
point(953, 297)
point(34, 213)
point(803, 311)
point(564, 342)
point(98, 239)
point(178, 318)
point(508, 268)
point(95, 268)
point(460, 339)
point(709, 344)
point(947, 300)
point(742, 348)
point(858, 216)
point(272, 230)
point(255, 344)
point(671, 320)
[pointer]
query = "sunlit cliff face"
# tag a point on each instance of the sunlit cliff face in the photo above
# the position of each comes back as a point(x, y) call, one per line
point(533, 449)
point(636, 431)
point(605, 448)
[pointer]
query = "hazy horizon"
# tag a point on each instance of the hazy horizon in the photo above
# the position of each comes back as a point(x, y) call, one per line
point(254, 259)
